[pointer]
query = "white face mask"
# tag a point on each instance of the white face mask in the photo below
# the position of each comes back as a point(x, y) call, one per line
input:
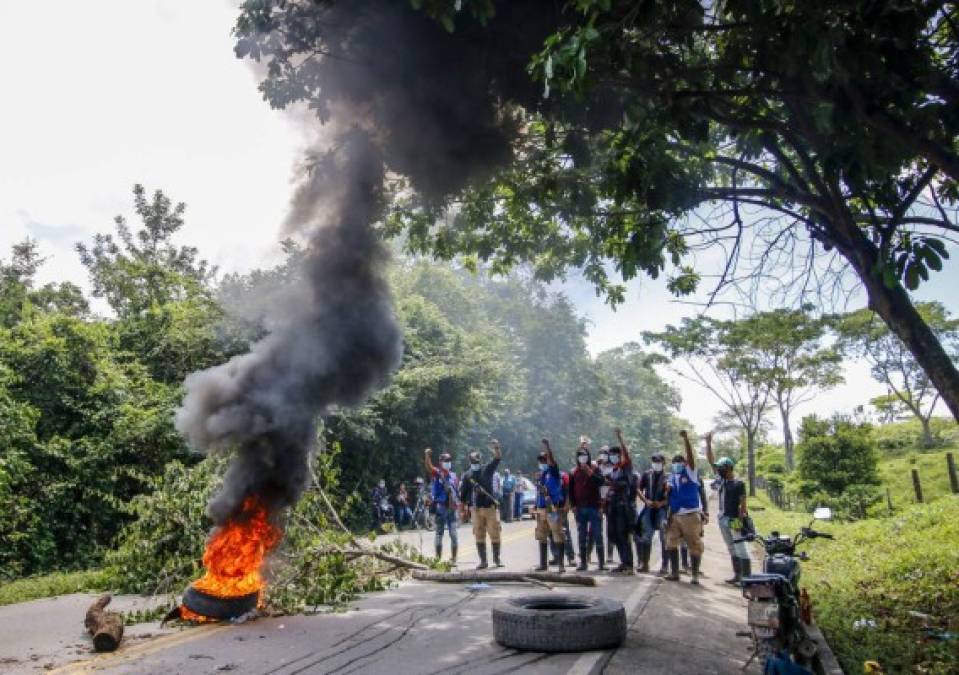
point(614, 459)
point(582, 459)
point(543, 467)
point(604, 458)
point(475, 467)
point(657, 466)
point(447, 465)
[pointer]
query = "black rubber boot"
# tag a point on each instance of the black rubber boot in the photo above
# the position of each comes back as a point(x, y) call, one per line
point(583, 561)
point(695, 560)
point(745, 567)
point(644, 551)
point(664, 558)
point(542, 557)
point(439, 551)
point(737, 572)
point(453, 555)
point(496, 550)
point(481, 550)
point(673, 565)
point(601, 555)
point(560, 567)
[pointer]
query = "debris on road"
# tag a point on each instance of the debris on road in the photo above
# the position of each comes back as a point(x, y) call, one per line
point(105, 627)
point(495, 576)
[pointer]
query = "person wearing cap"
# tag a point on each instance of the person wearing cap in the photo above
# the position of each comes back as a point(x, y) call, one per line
point(550, 505)
point(478, 493)
point(732, 511)
point(652, 519)
point(604, 467)
point(685, 520)
point(445, 497)
point(585, 483)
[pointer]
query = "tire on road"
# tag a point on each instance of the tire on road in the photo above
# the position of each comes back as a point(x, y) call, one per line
point(214, 607)
point(559, 623)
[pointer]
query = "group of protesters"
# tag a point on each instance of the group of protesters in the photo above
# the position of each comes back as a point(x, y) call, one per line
point(616, 508)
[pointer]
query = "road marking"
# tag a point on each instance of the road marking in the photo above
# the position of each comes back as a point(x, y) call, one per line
point(140, 650)
point(594, 662)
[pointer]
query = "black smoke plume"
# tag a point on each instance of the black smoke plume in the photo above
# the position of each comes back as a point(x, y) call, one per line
point(396, 92)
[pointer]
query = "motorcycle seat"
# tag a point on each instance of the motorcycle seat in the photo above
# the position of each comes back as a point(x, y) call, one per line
point(761, 578)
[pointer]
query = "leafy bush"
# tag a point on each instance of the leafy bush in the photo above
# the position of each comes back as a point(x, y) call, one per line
point(902, 437)
point(837, 453)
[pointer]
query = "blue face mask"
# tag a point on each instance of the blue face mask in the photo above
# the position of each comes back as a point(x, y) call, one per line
point(543, 467)
point(678, 467)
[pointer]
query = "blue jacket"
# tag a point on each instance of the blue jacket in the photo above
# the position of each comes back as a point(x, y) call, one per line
point(684, 490)
point(553, 482)
point(441, 479)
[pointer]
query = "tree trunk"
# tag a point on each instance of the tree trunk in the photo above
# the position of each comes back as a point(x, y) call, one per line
point(494, 576)
point(897, 310)
point(751, 460)
point(787, 437)
point(927, 439)
point(106, 628)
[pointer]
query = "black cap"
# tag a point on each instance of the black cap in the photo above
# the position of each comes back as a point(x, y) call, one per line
point(656, 457)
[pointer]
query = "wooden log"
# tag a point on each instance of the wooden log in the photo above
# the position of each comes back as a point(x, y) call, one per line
point(494, 576)
point(105, 627)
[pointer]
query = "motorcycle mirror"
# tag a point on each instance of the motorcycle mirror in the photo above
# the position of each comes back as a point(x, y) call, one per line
point(822, 513)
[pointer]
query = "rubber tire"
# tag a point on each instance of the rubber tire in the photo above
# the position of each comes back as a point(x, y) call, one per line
point(213, 607)
point(591, 623)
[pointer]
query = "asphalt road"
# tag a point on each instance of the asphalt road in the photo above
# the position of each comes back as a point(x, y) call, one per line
point(413, 628)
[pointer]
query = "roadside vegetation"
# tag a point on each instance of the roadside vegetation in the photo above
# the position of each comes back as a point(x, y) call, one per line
point(886, 588)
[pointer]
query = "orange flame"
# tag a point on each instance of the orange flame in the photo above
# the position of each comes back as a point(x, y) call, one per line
point(234, 555)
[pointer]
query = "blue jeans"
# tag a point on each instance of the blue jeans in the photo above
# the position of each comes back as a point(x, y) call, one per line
point(517, 505)
point(403, 516)
point(446, 520)
point(652, 521)
point(589, 527)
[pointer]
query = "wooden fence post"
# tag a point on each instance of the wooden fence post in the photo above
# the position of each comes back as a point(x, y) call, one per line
point(889, 499)
point(916, 485)
point(953, 480)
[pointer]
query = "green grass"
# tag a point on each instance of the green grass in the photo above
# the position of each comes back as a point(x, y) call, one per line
point(881, 569)
point(896, 474)
point(48, 585)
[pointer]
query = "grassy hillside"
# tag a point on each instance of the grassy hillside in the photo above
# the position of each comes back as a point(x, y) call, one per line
point(882, 569)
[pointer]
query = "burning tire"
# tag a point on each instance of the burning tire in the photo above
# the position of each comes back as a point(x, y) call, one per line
point(559, 623)
point(214, 607)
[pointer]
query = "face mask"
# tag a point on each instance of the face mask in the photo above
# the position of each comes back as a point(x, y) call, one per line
point(474, 467)
point(678, 467)
point(382, 485)
point(604, 458)
point(447, 465)
point(657, 466)
point(543, 467)
point(614, 459)
point(582, 459)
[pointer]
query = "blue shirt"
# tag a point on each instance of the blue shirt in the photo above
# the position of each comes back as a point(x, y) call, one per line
point(441, 480)
point(684, 491)
point(553, 483)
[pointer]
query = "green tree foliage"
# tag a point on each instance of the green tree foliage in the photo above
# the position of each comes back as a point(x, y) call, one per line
point(786, 350)
point(910, 390)
point(825, 130)
point(836, 455)
point(19, 296)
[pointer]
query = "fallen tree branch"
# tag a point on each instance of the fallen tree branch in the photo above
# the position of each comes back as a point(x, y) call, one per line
point(354, 553)
point(460, 577)
point(105, 627)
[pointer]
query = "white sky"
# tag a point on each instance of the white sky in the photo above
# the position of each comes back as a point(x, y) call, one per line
point(102, 95)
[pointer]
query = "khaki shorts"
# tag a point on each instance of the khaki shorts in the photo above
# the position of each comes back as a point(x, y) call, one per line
point(549, 523)
point(687, 527)
point(486, 519)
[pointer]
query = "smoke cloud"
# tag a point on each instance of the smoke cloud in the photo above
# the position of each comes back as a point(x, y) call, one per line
point(395, 91)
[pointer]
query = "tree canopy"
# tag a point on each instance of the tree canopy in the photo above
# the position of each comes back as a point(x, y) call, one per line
point(808, 143)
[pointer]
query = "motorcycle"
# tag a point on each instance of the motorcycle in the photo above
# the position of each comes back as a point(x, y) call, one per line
point(423, 514)
point(778, 611)
point(386, 510)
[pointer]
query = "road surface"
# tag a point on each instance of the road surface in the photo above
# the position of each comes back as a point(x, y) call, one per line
point(415, 627)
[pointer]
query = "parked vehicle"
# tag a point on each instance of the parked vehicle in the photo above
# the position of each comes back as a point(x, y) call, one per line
point(422, 513)
point(776, 614)
point(528, 504)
